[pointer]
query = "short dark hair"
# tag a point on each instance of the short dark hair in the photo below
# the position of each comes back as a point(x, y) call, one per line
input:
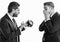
point(12, 5)
point(49, 4)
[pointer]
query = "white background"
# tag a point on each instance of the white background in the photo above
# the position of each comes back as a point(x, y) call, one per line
point(29, 10)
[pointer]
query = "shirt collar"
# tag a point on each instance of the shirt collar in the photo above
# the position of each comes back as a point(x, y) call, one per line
point(10, 16)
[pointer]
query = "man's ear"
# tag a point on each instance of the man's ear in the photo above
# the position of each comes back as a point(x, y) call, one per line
point(52, 8)
point(13, 10)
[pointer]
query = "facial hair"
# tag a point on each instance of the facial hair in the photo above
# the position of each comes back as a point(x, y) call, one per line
point(14, 15)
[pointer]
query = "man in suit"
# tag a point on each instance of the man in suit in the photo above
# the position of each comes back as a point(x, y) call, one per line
point(51, 24)
point(10, 31)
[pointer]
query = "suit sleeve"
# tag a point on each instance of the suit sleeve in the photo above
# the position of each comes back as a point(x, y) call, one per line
point(42, 26)
point(53, 26)
point(7, 31)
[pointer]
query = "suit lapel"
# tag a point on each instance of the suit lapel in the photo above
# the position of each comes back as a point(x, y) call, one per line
point(54, 16)
point(10, 23)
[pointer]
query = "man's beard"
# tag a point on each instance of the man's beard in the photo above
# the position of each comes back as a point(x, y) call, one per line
point(14, 15)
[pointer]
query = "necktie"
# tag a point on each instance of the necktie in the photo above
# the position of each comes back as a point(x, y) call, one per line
point(15, 24)
point(13, 20)
point(50, 17)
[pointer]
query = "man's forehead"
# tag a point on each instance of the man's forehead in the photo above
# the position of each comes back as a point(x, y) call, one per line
point(18, 8)
point(47, 6)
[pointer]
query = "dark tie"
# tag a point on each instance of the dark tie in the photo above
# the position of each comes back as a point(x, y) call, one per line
point(15, 24)
point(13, 20)
point(50, 17)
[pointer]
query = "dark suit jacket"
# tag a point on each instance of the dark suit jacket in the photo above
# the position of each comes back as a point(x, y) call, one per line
point(9, 33)
point(51, 28)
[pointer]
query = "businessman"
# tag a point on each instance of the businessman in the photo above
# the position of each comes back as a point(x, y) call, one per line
point(51, 24)
point(10, 31)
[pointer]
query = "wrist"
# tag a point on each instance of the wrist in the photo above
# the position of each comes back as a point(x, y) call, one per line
point(45, 20)
point(48, 19)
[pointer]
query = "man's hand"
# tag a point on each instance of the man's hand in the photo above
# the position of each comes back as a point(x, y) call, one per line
point(22, 26)
point(47, 15)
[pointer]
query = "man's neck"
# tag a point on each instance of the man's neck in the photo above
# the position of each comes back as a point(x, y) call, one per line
point(53, 14)
point(10, 16)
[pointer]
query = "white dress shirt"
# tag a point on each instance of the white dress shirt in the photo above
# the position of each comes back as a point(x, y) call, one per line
point(10, 16)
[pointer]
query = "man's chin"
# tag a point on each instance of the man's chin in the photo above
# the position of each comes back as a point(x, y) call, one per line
point(15, 15)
